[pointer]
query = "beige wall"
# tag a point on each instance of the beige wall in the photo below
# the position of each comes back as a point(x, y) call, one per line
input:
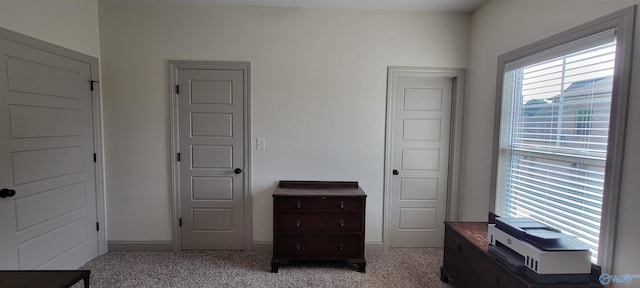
point(318, 96)
point(501, 26)
point(71, 24)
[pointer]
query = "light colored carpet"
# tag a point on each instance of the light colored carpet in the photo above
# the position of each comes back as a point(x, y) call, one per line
point(410, 267)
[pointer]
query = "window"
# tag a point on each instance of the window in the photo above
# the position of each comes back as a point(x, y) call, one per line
point(552, 159)
point(583, 121)
point(560, 129)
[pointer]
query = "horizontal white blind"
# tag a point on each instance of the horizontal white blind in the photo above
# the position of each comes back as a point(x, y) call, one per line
point(593, 40)
point(554, 135)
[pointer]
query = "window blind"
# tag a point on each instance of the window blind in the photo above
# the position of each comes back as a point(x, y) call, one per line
point(554, 135)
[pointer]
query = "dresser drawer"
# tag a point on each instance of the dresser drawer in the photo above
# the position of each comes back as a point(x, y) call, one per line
point(498, 276)
point(459, 247)
point(460, 274)
point(325, 247)
point(319, 222)
point(319, 203)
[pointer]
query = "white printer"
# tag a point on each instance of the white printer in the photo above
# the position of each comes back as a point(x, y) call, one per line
point(541, 252)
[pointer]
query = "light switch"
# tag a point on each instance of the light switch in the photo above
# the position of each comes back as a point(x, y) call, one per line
point(260, 144)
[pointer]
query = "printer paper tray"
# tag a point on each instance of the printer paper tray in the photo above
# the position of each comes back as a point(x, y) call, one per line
point(511, 260)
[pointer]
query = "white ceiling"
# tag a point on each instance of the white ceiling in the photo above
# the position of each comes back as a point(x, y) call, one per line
point(405, 5)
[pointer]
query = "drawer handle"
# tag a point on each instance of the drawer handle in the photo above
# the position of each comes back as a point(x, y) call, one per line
point(298, 203)
point(459, 248)
point(341, 204)
point(298, 222)
point(297, 246)
point(341, 247)
point(341, 222)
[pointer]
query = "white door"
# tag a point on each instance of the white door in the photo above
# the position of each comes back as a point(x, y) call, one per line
point(419, 159)
point(47, 159)
point(211, 124)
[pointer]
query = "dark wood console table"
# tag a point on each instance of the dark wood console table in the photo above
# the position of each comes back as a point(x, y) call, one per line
point(43, 278)
point(318, 221)
point(467, 263)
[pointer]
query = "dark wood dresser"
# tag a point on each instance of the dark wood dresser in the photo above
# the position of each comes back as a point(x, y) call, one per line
point(315, 220)
point(467, 263)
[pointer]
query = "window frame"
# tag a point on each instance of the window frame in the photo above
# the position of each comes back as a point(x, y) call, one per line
point(623, 22)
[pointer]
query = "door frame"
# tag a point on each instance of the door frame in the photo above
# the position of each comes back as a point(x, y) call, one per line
point(455, 138)
point(97, 118)
point(174, 66)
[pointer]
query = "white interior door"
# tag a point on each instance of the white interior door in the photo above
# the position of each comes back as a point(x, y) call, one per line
point(419, 159)
point(47, 159)
point(211, 125)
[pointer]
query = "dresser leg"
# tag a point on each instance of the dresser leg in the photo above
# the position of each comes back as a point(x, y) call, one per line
point(274, 267)
point(362, 267)
point(444, 276)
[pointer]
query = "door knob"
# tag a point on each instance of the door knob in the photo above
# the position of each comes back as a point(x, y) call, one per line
point(395, 172)
point(237, 171)
point(4, 193)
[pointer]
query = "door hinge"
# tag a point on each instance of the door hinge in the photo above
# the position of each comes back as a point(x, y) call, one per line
point(95, 158)
point(91, 84)
point(178, 156)
point(177, 89)
point(97, 226)
point(180, 222)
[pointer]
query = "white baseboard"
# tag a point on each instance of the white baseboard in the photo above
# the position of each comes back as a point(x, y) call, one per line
point(127, 246)
point(373, 246)
point(262, 246)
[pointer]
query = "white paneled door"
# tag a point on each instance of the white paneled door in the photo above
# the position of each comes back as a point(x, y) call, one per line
point(47, 169)
point(211, 127)
point(419, 160)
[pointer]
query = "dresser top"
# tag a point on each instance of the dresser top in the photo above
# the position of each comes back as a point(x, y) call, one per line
point(319, 188)
point(475, 232)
